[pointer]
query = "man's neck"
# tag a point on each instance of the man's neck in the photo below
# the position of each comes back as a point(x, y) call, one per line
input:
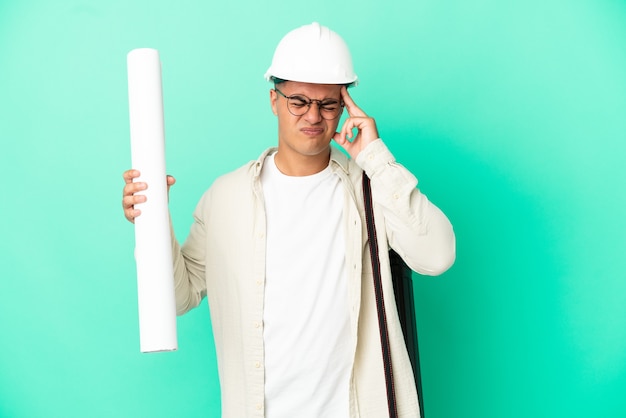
point(297, 165)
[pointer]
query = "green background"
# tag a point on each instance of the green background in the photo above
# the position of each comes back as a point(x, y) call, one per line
point(512, 115)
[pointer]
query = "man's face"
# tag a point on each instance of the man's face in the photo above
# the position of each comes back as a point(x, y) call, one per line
point(310, 133)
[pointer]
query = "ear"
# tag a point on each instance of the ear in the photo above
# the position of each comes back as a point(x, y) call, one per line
point(273, 98)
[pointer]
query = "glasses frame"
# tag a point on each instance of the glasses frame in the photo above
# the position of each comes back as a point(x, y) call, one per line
point(309, 102)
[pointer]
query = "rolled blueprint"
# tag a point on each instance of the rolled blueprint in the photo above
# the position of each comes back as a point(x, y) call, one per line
point(153, 247)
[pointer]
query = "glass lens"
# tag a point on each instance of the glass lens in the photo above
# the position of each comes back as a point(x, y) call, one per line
point(330, 109)
point(298, 105)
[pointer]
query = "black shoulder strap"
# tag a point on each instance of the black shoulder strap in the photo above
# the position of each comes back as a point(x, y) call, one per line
point(380, 303)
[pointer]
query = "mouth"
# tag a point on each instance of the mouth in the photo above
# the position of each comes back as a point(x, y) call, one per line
point(310, 131)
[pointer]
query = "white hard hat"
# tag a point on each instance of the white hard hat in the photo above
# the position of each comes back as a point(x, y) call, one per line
point(312, 54)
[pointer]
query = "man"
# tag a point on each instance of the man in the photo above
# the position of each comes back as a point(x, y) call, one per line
point(280, 249)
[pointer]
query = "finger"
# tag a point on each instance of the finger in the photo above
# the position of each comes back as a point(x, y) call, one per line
point(353, 109)
point(129, 202)
point(340, 138)
point(344, 131)
point(170, 180)
point(131, 214)
point(131, 174)
point(347, 131)
point(132, 188)
point(130, 211)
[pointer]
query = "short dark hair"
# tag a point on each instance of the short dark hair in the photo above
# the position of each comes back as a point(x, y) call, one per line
point(277, 80)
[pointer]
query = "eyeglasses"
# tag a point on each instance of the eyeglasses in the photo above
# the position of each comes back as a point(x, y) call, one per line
point(299, 104)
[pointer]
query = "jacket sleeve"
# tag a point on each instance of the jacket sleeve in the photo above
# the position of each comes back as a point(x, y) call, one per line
point(189, 262)
point(416, 229)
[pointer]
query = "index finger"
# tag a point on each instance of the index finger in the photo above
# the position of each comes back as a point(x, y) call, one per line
point(129, 175)
point(353, 109)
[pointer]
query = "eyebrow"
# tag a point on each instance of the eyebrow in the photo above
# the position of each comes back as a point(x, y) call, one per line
point(324, 100)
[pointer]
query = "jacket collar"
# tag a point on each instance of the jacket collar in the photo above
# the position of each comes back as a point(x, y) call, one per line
point(337, 159)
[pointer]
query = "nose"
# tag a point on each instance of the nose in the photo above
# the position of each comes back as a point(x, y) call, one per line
point(313, 114)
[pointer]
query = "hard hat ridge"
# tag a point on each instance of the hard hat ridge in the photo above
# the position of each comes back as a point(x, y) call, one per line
point(312, 54)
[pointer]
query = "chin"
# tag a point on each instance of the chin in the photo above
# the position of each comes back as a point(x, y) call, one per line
point(315, 149)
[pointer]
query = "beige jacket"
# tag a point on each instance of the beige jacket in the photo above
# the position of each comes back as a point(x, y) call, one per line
point(223, 258)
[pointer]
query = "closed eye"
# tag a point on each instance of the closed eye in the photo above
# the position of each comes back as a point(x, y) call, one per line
point(298, 101)
point(331, 105)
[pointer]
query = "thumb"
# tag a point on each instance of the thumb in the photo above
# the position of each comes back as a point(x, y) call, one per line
point(170, 182)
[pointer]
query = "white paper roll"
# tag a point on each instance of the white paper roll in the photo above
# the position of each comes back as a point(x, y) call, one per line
point(153, 248)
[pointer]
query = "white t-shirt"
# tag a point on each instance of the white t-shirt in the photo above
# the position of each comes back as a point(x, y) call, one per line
point(306, 317)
